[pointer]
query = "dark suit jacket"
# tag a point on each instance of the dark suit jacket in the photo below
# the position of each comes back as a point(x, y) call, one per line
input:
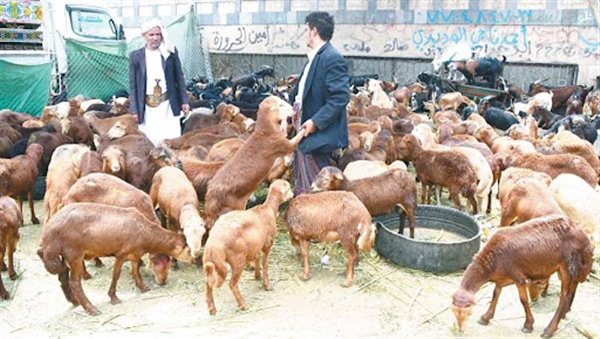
point(137, 82)
point(326, 94)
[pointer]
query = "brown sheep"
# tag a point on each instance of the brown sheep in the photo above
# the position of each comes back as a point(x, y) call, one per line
point(509, 258)
point(49, 141)
point(233, 184)
point(513, 174)
point(381, 194)
point(200, 173)
point(63, 172)
point(78, 129)
point(237, 238)
point(109, 190)
point(83, 230)
point(497, 144)
point(102, 126)
point(329, 217)
point(443, 168)
point(91, 162)
point(567, 142)
point(224, 149)
point(11, 220)
point(554, 164)
point(122, 128)
point(174, 194)
point(17, 176)
point(527, 199)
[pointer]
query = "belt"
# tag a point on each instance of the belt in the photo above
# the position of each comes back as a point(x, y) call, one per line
point(155, 100)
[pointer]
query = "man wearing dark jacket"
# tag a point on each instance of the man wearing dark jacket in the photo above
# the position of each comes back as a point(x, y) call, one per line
point(157, 93)
point(321, 97)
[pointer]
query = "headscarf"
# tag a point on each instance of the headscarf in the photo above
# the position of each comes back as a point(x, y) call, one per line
point(166, 47)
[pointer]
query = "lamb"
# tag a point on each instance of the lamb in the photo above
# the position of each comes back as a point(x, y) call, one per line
point(123, 233)
point(505, 144)
point(11, 220)
point(579, 202)
point(102, 126)
point(379, 97)
point(329, 217)
point(527, 199)
point(233, 184)
point(509, 258)
point(174, 194)
point(17, 176)
point(380, 194)
point(237, 238)
point(444, 168)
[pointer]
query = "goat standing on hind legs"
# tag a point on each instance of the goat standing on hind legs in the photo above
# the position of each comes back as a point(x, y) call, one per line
point(237, 238)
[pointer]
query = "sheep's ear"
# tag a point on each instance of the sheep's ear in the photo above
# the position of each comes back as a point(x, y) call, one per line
point(338, 175)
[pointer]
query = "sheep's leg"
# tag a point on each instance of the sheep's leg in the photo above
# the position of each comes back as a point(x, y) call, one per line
point(488, 210)
point(265, 264)
point(112, 291)
point(3, 292)
point(524, 298)
point(210, 302)
point(423, 192)
point(75, 284)
point(304, 253)
point(473, 203)
point(257, 267)
point(402, 219)
point(567, 294)
point(455, 199)
point(135, 272)
point(352, 251)
point(438, 193)
point(86, 275)
point(98, 262)
point(485, 319)
point(34, 219)
point(63, 278)
point(236, 274)
point(11, 250)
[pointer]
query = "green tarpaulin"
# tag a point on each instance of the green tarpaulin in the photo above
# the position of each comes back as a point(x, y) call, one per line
point(24, 88)
point(96, 70)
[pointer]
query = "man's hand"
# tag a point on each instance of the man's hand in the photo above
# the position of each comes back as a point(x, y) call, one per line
point(309, 127)
point(186, 109)
point(136, 118)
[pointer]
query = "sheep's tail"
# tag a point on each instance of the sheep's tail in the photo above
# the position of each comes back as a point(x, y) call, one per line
point(214, 271)
point(503, 59)
point(52, 259)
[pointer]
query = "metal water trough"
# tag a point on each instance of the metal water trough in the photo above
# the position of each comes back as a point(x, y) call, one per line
point(429, 256)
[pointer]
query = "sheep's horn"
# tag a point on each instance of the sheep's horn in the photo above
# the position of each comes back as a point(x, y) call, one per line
point(540, 80)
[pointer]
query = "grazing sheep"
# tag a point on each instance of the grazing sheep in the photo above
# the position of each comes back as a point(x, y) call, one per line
point(174, 194)
point(329, 217)
point(527, 199)
point(237, 238)
point(10, 221)
point(83, 230)
point(509, 258)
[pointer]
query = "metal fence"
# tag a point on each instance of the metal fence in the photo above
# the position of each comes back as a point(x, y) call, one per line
point(400, 70)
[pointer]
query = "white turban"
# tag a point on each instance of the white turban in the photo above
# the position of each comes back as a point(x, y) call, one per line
point(166, 47)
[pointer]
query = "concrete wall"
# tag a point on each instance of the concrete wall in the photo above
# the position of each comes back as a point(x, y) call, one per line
point(537, 31)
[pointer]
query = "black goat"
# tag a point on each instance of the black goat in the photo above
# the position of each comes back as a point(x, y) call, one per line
point(488, 68)
point(580, 125)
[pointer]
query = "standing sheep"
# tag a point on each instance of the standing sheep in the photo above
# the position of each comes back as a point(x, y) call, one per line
point(380, 194)
point(510, 257)
point(174, 194)
point(329, 217)
point(10, 221)
point(84, 230)
point(237, 238)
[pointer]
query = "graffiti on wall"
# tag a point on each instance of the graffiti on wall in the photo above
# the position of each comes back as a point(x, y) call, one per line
point(517, 42)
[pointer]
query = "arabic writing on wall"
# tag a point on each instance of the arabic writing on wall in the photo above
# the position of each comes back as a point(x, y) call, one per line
point(517, 42)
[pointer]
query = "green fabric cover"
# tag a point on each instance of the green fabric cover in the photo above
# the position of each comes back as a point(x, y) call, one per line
point(24, 88)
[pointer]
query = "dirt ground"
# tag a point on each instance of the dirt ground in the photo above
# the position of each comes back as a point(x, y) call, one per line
point(385, 301)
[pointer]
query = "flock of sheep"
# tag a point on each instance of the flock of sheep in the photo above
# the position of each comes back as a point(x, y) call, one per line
point(104, 181)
